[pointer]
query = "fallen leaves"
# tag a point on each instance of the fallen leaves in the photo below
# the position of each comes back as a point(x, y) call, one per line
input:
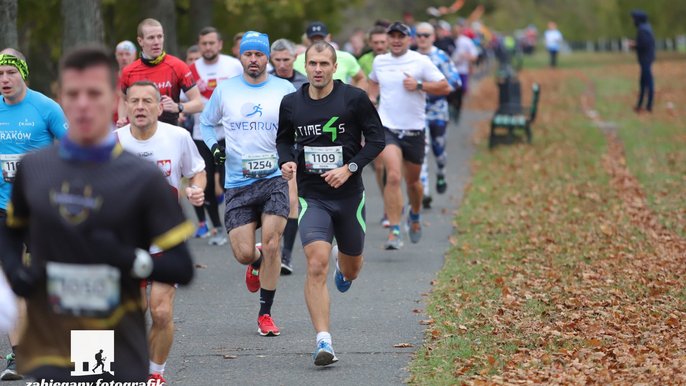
point(403, 345)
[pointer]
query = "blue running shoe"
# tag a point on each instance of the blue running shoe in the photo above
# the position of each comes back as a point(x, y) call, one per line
point(202, 232)
point(342, 284)
point(324, 355)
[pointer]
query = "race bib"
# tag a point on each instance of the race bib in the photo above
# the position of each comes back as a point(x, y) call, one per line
point(321, 159)
point(83, 290)
point(10, 162)
point(259, 165)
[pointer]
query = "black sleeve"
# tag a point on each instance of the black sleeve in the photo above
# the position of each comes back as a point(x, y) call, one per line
point(285, 136)
point(374, 137)
point(22, 275)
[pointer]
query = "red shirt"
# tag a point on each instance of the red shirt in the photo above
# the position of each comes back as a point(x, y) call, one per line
point(171, 76)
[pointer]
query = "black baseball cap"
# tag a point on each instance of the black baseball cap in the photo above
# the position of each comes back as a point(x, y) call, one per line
point(316, 28)
point(399, 27)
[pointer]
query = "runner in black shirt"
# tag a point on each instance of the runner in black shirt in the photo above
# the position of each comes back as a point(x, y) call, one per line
point(90, 211)
point(326, 119)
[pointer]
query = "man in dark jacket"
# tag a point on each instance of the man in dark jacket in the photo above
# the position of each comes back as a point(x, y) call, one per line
point(645, 50)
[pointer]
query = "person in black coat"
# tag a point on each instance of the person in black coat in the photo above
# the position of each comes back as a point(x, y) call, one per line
point(645, 50)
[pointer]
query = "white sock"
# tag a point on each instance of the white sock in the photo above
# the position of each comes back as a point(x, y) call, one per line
point(323, 336)
point(155, 368)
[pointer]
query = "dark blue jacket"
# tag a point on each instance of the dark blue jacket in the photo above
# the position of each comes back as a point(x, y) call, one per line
point(645, 41)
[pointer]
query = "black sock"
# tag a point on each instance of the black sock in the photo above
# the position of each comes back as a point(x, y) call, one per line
point(256, 264)
point(266, 300)
point(289, 234)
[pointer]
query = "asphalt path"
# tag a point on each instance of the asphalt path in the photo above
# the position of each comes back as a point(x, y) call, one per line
point(216, 340)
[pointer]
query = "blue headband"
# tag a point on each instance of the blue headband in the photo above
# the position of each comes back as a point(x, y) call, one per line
point(255, 41)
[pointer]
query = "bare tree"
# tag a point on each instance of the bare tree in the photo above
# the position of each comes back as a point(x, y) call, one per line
point(200, 15)
point(164, 11)
point(8, 24)
point(82, 23)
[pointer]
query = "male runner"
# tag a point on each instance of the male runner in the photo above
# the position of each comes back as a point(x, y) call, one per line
point(437, 114)
point(282, 57)
point(172, 150)
point(89, 211)
point(348, 70)
point(125, 52)
point(402, 78)
point(256, 195)
point(28, 121)
point(169, 73)
point(326, 120)
point(212, 68)
point(8, 305)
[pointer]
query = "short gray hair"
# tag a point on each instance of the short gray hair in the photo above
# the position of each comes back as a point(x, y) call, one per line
point(283, 45)
point(425, 26)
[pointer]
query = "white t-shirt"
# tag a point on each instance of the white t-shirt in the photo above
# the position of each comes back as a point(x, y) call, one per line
point(207, 77)
point(249, 114)
point(400, 109)
point(464, 50)
point(171, 148)
point(553, 39)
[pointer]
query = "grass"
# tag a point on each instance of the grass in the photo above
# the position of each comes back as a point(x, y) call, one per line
point(546, 258)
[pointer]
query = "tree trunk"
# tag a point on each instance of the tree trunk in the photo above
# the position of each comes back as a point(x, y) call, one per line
point(164, 11)
point(8, 24)
point(200, 15)
point(82, 23)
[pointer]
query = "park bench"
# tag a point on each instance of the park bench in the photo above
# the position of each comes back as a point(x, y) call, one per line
point(511, 115)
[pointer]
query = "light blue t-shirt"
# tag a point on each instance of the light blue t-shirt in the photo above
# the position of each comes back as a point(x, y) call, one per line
point(31, 124)
point(249, 115)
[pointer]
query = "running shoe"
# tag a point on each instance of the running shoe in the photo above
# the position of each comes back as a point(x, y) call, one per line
point(414, 229)
point(156, 380)
point(384, 221)
point(341, 284)
point(441, 184)
point(426, 202)
point(10, 373)
point(218, 239)
point(202, 232)
point(323, 355)
point(252, 275)
point(286, 265)
point(394, 241)
point(266, 326)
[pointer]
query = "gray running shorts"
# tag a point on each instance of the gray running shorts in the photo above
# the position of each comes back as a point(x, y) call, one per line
point(247, 204)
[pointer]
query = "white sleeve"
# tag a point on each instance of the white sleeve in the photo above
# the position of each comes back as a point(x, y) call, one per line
point(8, 305)
point(372, 74)
point(191, 161)
point(430, 73)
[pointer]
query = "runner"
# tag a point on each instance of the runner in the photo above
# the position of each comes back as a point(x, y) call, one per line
point(282, 57)
point(437, 117)
point(326, 120)
point(169, 73)
point(172, 150)
point(464, 55)
point(28, 121)
point(348, 69)
point(213, 68)
point(89, 211)
point(192, 54)
point(256, 195)
point(125, 54)
point(402, 78)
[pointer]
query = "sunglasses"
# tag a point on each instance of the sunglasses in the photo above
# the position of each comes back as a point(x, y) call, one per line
point(423, 35)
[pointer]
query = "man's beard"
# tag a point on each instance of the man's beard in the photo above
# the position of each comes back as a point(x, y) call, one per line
point(210, 57)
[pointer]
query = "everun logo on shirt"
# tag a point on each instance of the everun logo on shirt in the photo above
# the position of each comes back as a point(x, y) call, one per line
point(251, 110)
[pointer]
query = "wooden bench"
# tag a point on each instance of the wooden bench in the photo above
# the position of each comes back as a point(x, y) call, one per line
point(511, 118)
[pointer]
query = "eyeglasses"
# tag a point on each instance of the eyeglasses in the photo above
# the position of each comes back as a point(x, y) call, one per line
point(423, 35)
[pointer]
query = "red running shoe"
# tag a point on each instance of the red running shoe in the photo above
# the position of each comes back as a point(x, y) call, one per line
point(252, 275)
point(266, 326)
point(157, 380)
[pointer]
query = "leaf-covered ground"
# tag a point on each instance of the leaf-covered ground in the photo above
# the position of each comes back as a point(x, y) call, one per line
point(569, 256)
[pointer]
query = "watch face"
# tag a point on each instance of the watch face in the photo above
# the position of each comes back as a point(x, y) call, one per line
point(352, 167)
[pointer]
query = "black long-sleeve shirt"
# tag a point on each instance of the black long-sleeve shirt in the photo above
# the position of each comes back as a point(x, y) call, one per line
point(339, 119)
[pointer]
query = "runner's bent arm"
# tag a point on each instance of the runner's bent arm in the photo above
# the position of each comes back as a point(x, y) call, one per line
point(210, 117)
point(285, 136)
point(360, 80)
point(194, 104)
point(374, 138)
point(373, 91)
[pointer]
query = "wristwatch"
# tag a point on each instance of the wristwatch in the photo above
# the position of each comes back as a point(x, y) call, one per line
point(352, 167)
point(420, 85)
point(180, 106)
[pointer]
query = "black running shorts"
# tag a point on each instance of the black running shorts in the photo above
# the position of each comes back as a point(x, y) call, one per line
point(344, 219)
point(246, 204)
point(410, 142)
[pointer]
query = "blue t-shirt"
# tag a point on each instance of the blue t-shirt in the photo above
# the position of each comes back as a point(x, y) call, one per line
point(31, 124)
point(249, 114)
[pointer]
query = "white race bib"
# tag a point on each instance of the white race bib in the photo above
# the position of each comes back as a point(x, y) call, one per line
point(83, 290)
point(10, 162)
point(259, 165)
point(321, 159)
